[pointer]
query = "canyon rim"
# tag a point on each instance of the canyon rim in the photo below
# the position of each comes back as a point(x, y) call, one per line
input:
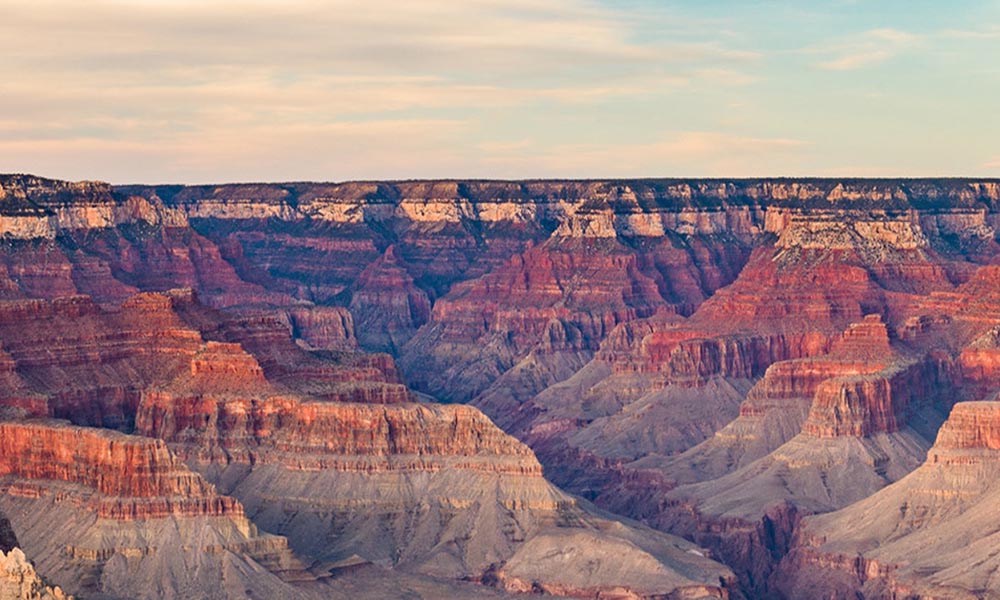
point(621, 388)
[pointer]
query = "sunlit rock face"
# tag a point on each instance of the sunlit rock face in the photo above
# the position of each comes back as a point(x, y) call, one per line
point(108, 513)
point(731, 361)
point(921, 537)
point(19, 581)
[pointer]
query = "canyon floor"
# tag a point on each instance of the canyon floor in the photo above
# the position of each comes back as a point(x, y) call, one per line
point(670, 389)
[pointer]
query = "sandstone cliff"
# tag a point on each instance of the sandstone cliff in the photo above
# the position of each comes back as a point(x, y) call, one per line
point(437, 490)
point(696, 353)
point(922, 537)
point(70, 358)
point(107, 513)
point(792, 300)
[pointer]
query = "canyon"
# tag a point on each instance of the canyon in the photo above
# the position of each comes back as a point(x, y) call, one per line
point(767, 388)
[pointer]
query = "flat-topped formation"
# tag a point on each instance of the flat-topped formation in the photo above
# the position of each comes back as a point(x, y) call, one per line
point(36, 207)
point(716, 357)
point(134, 478)
point(105, 512)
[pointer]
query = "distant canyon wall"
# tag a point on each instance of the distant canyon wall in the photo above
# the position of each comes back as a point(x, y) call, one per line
point(33, 207)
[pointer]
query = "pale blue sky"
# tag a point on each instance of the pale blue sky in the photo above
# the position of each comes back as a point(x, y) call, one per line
point(190, 91)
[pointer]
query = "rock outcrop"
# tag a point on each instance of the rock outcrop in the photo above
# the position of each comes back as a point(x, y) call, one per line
point(447, 492)
point(388, 304)
point(718, 358)
point(108, 513)
point(72, 359)
point(926, 536)
point(780, 404)
point(19, 581)
point(785, 305)
point(813, 436)
point(134, 478)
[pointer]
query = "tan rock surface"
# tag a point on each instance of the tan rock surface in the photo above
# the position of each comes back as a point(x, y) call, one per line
point(926, 536)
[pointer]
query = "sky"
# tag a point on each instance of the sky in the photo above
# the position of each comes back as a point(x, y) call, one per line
point(182, 91)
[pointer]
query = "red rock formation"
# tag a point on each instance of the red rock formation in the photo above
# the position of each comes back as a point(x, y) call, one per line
point(859, 398)
point(323, 327)
point(483, 327)
point(135, 478)
point(324, 473)
point(922, 537)
point(775, 409)
point(71, 359)
point(971, 425)
point(226, 364)
point(507, 291)
point(789, 302)
point(318, 435)
point(567, 294)
point(980, 365)
point(880, 402)
point(125, 517)
point(388, 304)
point(87, 363)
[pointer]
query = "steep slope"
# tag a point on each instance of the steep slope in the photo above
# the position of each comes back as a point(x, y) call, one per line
point(930, 535)
point(538, 318)
point(791, 301)
point(70, 358)
point(612, 325)
point(437, 490)
point(779, 405)
point(388, 305)
point(426, 489)
point(107, 513)
point(842, 417)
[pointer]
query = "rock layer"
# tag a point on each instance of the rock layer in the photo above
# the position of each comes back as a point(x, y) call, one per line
point(437, 490)
point(105, 512)
point(696, 353)
point(922, 537)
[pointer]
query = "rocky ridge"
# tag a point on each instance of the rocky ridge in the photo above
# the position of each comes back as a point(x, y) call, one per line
point(304, 439)
point(922, 537)
point(104, 512)
point(669, 348)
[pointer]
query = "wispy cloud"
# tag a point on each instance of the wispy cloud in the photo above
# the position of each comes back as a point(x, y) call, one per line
point(990, 32)
point(343, 150)
point(866, 49)
point(994, 163)
point(187, 90)
point(177, 73)
point(694, 153)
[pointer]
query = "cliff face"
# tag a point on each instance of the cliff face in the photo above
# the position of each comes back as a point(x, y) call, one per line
point(388, 304)
point(449, 493)
point(107, 513)
point(719, 358)
point(70, 358)
point(921, 537)
point(814, 435)
point(778, 406)
point(134, 478)
point(317, 435)
point(793, 300)
point(842, 411)
point(240, 244)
